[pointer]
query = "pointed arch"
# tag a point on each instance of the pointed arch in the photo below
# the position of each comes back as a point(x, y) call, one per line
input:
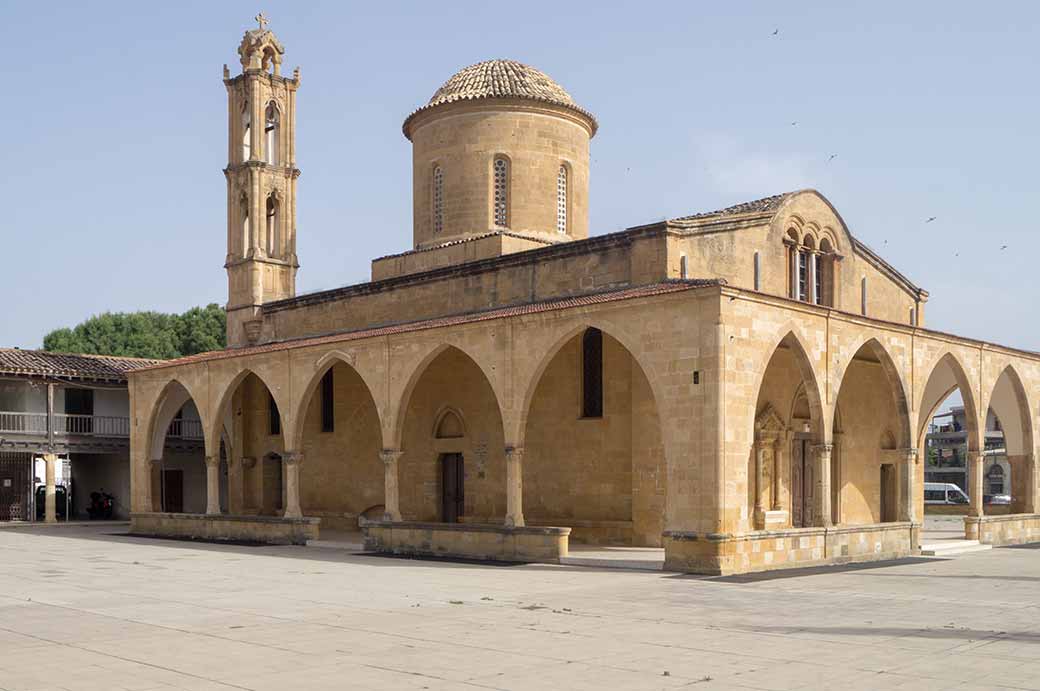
point(898, 389)
point(1009, 400)
point(946, 374)
point(216, 424)
point(565, 336)
point(396, 423)
point(322, 366)
point(793, 341)
point(175, 395)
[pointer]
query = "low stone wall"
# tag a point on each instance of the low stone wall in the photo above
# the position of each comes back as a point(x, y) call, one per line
point(269, 530)
point(964, 509)
point(765, 550)
point(1015, 529)
point(470, 541)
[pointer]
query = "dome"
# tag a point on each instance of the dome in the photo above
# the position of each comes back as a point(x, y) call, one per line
point(502, 79)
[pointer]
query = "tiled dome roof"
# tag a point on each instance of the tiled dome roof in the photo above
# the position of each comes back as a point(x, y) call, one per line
point(502, 79)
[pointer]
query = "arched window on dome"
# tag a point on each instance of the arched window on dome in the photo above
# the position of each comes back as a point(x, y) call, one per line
point(438, 200)
point(272, 225)
point(271, 134)
point(561, 200)
point(501, 174)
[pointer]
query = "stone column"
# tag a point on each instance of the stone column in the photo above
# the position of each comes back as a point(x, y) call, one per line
point(760, 481)
point(823, 485)
point(1032, 484)
point(212, 485)
point(392, 502)
point(50, 514)
point(837, 480)
point(976, 489)
point(909, 489)
point(810, 288)
point(514, 487)
point(291, 462)
point(778, 466)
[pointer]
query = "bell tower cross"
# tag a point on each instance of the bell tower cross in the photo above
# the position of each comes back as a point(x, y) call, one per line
point(261, 178)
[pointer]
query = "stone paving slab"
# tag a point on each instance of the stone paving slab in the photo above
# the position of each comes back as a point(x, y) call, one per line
point(81, 609)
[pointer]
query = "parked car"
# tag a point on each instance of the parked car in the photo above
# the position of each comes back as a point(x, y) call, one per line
point(60, 503)
point(944, 493)
point(997, 499)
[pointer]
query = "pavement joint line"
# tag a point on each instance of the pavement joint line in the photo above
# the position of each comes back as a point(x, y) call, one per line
point(127, 659)
point(432, 676)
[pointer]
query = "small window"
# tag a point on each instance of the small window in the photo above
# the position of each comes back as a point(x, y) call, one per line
point(817, 280)
point(438, 200)
point(863, 296)
point(271, 153)
point(247, 135)
point(245, 225)
point(592, 374)
point(272, 226)
point(501, 193)
point(274, 418)
point(561, 200)
point(684, 267)
point(328, 407)
point(758, 272)
point(803, 276)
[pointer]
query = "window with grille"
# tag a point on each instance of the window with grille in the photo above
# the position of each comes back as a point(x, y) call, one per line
point(592, 373)
point(438, 200)
point(274, 418)
point(561, 200)
point(501, 193)
point(803, 276)
point(328, 404)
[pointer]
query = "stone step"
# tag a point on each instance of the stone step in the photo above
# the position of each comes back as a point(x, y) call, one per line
point(950, 548)
point(614, 563)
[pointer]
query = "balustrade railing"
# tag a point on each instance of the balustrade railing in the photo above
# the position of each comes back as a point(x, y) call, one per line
point(35, 424)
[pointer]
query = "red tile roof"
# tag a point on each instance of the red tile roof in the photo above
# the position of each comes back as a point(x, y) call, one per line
point(44, 363)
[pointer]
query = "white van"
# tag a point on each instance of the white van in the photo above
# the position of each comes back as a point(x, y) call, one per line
point(944, 493)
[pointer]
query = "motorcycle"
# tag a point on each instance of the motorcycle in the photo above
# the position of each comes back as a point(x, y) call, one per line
point(101, 506)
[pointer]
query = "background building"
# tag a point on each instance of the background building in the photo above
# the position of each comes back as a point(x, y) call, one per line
point(65, 427)
point(947, 453)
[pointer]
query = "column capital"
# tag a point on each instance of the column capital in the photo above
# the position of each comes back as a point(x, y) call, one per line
point(823, 449)
point(911, 455)
point(389, 456)
point(514, 452)
point(976, 456)
point(292, 458)
point(156, 461)
point(249, 461)
point(212, 461)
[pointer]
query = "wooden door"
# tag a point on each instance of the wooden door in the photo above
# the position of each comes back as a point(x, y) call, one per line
point(452, 484)
point(173, 491)
point(802, 484)
point(889, 488)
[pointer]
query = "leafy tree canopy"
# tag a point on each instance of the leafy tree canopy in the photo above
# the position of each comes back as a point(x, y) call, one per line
point(144, 334)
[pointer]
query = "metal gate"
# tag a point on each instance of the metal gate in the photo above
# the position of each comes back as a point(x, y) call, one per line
point(15, 493)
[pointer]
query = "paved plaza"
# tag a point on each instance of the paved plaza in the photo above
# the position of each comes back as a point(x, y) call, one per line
point(88, 608)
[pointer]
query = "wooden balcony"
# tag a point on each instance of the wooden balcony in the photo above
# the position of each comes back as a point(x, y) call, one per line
point(64, 433)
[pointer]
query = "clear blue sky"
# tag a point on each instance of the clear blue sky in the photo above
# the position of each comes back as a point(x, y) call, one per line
point(114, 135)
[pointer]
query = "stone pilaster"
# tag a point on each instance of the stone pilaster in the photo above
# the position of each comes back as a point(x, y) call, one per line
point(212, 485)
point(760, 480)
point(514, 487)
point(155, 480)
point(908, 492)
point(50, 513)
point(778, 466)
point(976, 489)
point(292, 461)
point(392, 501)
point(822, 509)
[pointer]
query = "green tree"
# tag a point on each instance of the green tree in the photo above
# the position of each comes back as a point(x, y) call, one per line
point(144, 334)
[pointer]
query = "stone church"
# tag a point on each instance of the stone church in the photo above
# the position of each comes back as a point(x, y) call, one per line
point(747, 388)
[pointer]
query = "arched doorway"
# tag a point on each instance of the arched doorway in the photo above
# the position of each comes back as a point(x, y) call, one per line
point(949, 439)
point(342, 476)
point(249, 418)
point(593, 453)
point(452, 466)
point(177, 453)
point(874, 466)
point(1008, 446)
point(785, 480)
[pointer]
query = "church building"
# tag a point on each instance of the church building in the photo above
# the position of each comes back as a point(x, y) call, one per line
point(748, 388)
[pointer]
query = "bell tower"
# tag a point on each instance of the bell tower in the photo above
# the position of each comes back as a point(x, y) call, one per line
point(261, 183)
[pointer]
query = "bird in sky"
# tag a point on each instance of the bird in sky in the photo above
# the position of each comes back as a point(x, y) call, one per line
point(1003, 247)
point(794, 123)
point(833, 156)
point(930, 219)
point(776, 31)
